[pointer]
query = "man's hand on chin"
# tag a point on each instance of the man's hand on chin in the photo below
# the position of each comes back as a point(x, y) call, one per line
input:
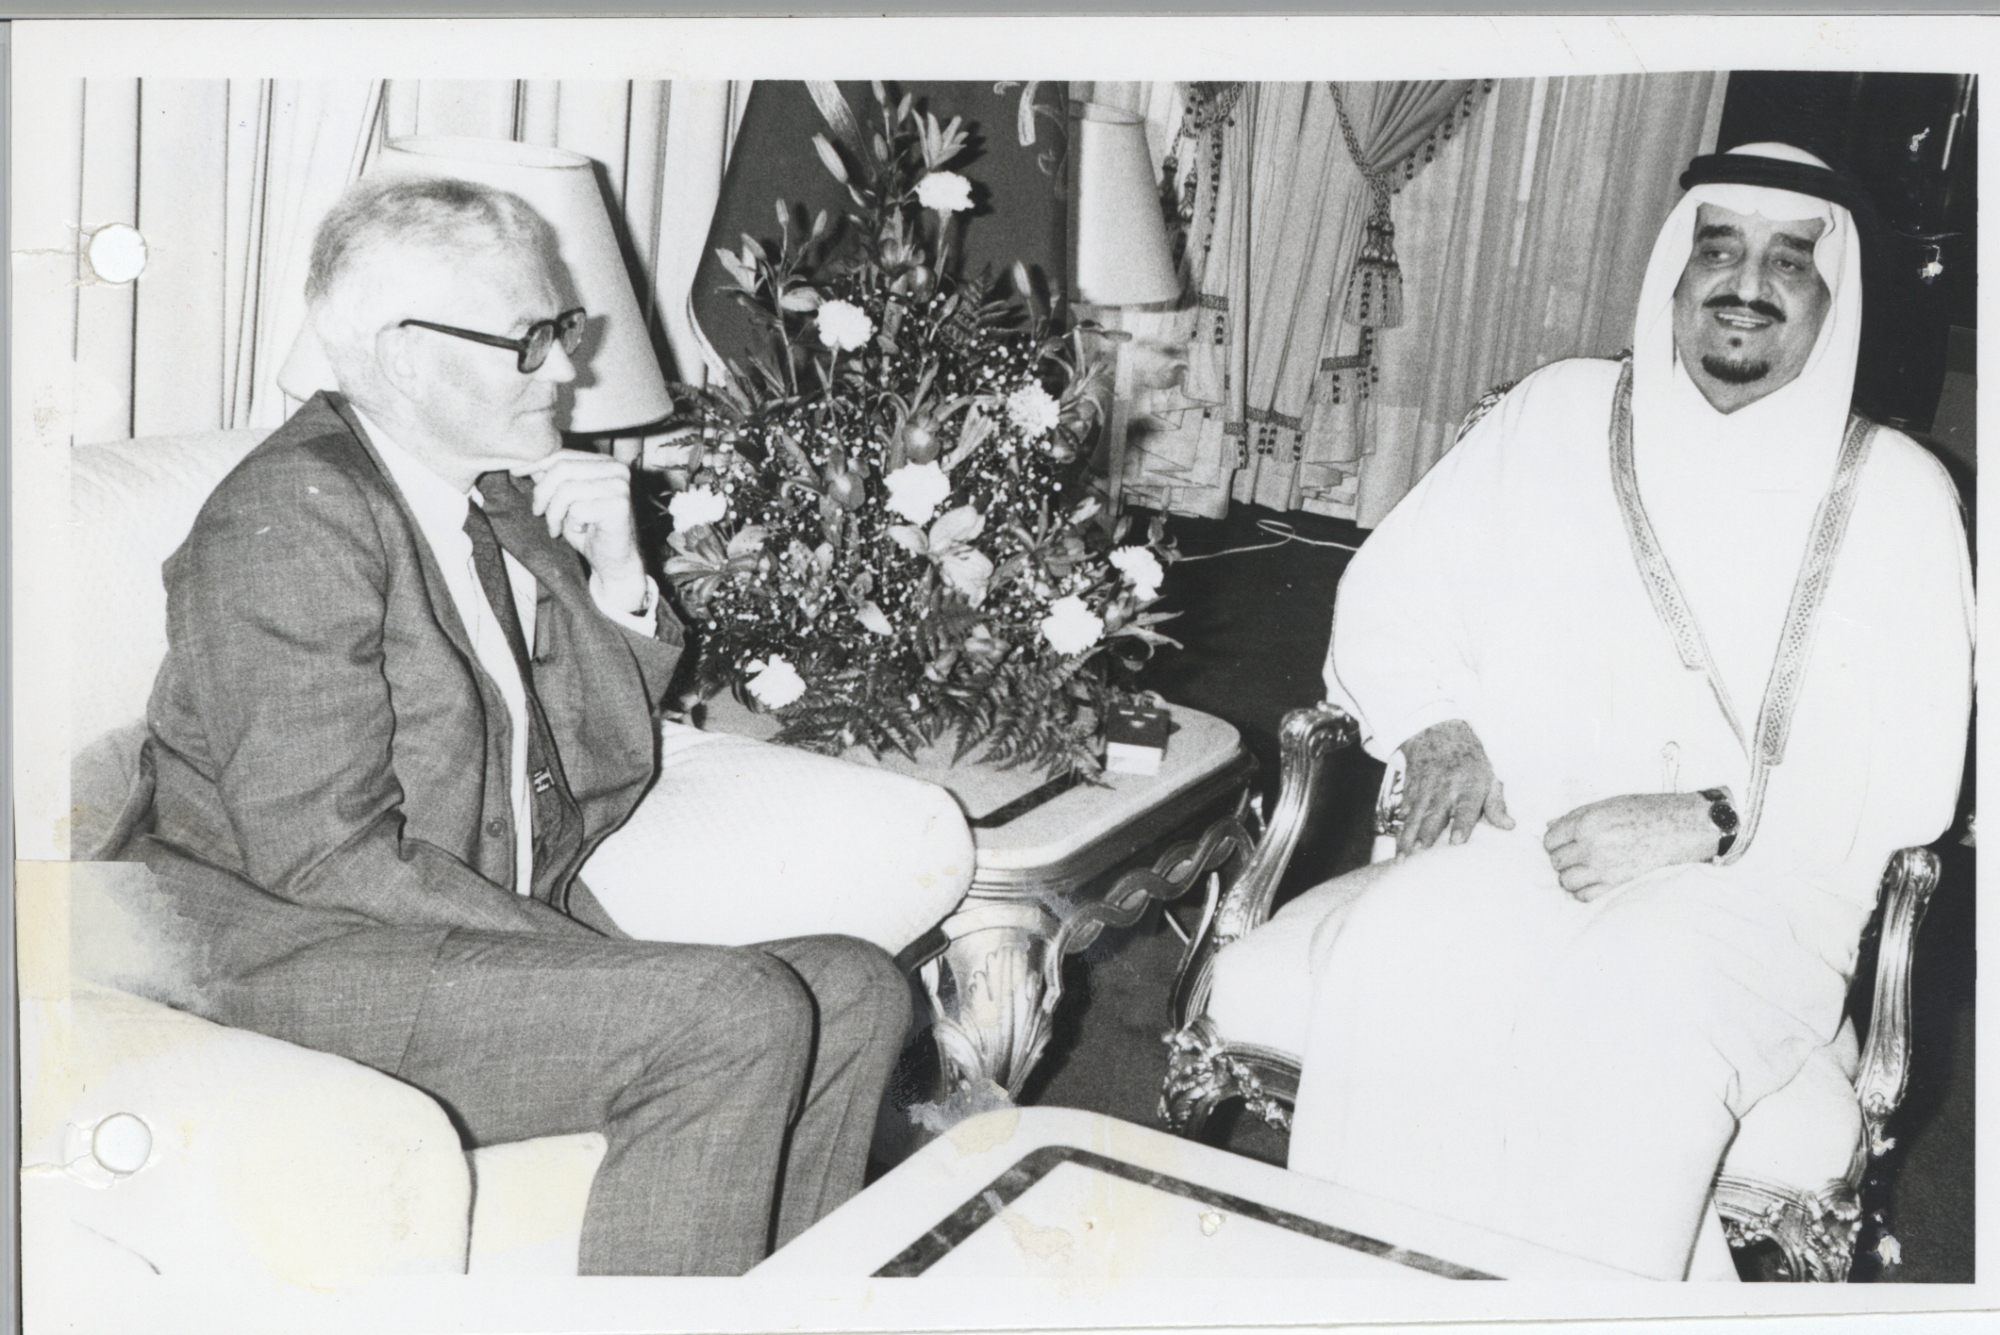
point(586, 499)
point(1447, 783)
point(1600, 846)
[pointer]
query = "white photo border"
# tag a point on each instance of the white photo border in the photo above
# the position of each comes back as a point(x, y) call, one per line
point(46, 54)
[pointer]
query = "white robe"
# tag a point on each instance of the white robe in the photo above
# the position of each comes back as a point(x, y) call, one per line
point(1485, 1046)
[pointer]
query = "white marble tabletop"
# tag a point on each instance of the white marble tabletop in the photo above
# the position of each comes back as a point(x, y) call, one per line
point(1059, 1195)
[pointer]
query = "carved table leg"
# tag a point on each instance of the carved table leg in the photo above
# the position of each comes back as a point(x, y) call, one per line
point(992, 1026)
point(1004, 957)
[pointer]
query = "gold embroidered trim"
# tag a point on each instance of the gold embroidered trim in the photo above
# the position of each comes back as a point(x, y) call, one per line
point(1774, 715)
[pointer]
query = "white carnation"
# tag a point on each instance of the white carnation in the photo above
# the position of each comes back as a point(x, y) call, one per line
point(1071, 627)
point(916, 490)
point(1034, 411)
point(1142, 567)
point(844, 326)
point(776, 684)
point(947, 192)
point(696, 506)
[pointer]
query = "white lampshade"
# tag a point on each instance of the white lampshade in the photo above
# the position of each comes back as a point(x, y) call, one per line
point(619, 384)
point(1121, 239)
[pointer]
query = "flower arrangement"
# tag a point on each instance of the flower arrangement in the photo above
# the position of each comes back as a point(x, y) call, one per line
point(882, 527)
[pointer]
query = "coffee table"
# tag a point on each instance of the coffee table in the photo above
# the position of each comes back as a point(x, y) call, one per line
point(1055, 863)
point(1059, 1195)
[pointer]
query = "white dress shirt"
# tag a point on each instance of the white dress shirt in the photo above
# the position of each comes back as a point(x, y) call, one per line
point(440, 510)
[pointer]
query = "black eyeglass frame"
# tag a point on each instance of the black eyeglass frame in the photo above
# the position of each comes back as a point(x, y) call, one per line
point(566, 328)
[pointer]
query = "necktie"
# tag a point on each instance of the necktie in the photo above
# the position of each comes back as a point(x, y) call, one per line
point(557, 823)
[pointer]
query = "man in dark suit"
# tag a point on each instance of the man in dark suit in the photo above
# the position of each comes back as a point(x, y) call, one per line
point(413, 659)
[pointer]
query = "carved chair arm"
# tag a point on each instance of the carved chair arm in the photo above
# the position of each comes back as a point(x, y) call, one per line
point(1885, 1059)
point(1306, 738)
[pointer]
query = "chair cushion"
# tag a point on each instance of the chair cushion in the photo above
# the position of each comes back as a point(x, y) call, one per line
point(1805, 1134)
point(233, 1158)
point(527, 1204)
point(131, 504)
point(742, 841)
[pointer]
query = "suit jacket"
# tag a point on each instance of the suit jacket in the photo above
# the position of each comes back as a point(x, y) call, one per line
point(325, 785)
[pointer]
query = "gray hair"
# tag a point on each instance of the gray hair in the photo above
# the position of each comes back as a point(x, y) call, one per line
point(449, 216)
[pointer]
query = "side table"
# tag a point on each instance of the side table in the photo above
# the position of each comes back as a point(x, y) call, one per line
point(1056, 862)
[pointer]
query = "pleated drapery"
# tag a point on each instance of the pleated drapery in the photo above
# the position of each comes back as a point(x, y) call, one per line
point(1524, 245)
point(1275, 210)
point(1523, 242)
point(1386, 127)
point(226, 180)
point(1392, 121)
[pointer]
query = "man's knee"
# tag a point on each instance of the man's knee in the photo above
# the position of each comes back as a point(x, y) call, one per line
point(855, 984)
point(761, 1002)
point(1426, 907)
point(1654, 945)
point(1645, 987)
point(736, 1006)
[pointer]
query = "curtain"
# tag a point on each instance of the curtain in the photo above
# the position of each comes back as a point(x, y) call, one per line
point(305, 143)
point(1525, 244)
point(1385, 126)
point(1522, 243)
point(1391, 121)
point(226, 179)
point(1274, 209)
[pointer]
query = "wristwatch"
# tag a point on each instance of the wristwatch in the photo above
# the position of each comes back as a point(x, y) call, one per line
point(1723, 812)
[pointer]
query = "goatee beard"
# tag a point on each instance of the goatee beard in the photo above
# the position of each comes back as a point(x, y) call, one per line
point(1734, 373)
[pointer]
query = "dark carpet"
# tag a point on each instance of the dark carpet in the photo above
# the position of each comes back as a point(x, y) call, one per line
point(1254, 626)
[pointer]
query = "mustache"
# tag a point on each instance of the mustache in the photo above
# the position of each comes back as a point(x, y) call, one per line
point(1729, 300)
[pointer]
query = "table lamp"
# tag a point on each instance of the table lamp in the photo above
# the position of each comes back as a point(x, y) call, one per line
point(620, 387)
point(1121, 248)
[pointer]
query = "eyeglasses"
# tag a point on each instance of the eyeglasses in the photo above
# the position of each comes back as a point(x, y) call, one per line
point(532, 348)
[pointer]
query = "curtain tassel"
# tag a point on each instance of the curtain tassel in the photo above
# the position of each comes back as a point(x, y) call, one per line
point(1375, 288)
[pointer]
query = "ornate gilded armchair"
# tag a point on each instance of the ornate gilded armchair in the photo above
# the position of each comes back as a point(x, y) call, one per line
point(1793, 1174)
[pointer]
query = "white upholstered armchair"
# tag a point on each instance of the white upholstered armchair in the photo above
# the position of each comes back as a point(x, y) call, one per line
point(1792, 1175)
point(353, 1174)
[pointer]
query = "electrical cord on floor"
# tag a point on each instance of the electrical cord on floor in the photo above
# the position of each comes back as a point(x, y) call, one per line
point(1285, 532)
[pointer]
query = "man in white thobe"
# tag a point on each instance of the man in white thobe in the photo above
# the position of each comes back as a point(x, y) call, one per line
point(1635, 609)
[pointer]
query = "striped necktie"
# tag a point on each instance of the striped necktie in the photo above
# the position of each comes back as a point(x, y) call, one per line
point(557, 822)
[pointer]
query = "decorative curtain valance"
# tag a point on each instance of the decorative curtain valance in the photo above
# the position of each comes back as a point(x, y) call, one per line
point(1392, 130)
